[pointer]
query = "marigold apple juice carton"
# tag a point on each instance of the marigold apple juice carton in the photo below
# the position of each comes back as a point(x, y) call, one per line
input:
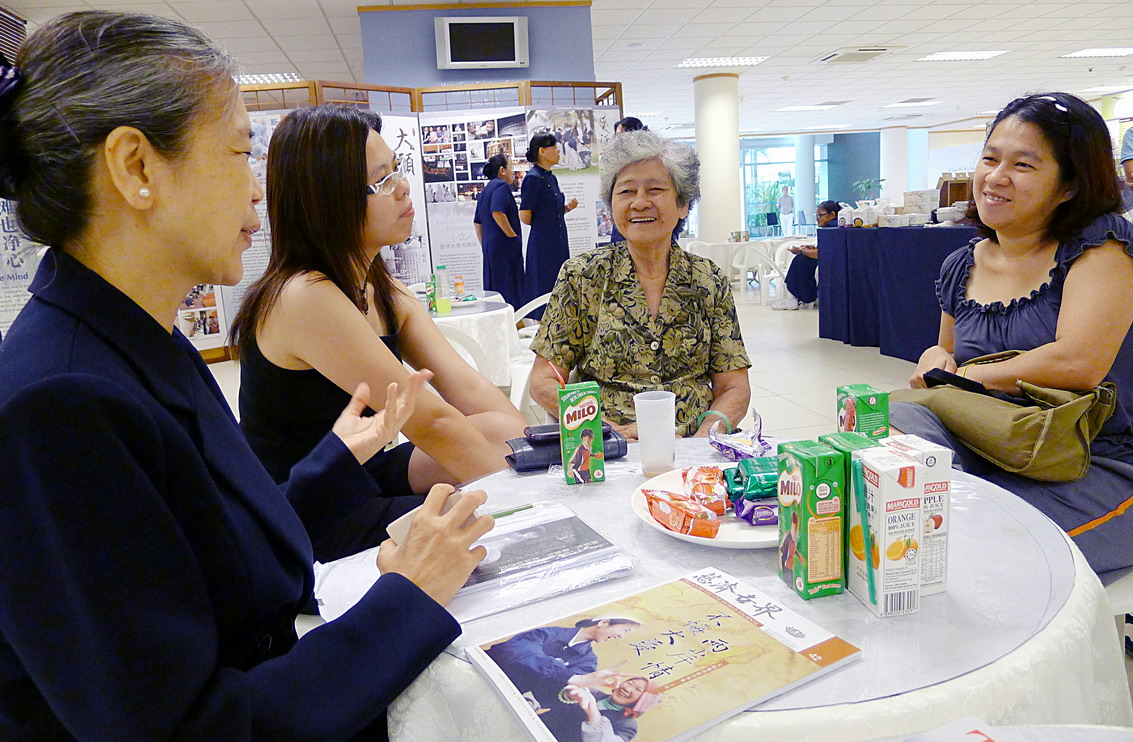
point(863, 409)
point(937, 491)
point(847, 443)
point(885, 566)
point(812, 509)
point(580, 433)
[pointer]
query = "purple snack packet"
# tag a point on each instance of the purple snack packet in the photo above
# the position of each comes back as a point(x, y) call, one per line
point(757, 513)
point(741, 444)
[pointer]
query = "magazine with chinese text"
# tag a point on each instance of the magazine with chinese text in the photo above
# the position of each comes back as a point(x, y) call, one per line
point(665, 663)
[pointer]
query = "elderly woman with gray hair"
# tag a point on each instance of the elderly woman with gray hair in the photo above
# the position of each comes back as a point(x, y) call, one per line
point(644, 315)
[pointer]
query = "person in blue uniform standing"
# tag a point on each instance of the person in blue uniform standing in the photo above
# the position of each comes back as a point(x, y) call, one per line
point(497, 228)
point(154, 569)
point(542, 206)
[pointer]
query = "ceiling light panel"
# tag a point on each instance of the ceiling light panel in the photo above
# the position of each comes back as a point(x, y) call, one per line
point(1123, 51)
point(960, 56)
point(722, 61)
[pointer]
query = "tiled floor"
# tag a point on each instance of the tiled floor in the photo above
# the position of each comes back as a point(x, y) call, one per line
point(794, 373)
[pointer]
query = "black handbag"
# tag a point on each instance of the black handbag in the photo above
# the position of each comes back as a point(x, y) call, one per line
point(527, 455)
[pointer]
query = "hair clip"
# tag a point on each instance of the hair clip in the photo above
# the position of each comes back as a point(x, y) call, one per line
point(10, 78)
point(1054, 100)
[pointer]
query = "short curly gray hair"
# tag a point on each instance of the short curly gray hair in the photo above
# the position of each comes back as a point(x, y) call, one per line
point(632, 147)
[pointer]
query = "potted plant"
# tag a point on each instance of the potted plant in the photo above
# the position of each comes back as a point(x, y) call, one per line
point(867, 186)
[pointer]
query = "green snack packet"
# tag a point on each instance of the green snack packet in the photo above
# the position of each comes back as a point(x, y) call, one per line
point(760, 477)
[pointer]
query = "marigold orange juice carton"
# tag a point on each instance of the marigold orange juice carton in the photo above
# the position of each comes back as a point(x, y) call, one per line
point(580, 433)
point(812, 510)
point(936, 494)
point(888, 544)
point(863, 409)
point(847, 443)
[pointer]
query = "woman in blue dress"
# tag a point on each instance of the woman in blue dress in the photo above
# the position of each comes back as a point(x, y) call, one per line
point(497, 228)
point(542, 206)
point(1050, 277)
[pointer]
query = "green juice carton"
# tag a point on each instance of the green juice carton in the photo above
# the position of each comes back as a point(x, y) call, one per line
point(863, 409)
point(847, 443)
point(580, 433)
point(812, 513)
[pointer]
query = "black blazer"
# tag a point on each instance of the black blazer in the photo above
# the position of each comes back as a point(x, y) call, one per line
point(152, 570)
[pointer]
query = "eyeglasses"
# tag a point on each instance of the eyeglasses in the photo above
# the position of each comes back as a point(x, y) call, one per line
point(386, 185)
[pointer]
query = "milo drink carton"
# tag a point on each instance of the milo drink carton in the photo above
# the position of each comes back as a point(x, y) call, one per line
point(812, 510)
point(431, 293)
point(580, 433)
point(863, 409)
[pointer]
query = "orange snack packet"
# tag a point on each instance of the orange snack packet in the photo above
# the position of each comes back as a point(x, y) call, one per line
point(678, 513)
point(706, 485)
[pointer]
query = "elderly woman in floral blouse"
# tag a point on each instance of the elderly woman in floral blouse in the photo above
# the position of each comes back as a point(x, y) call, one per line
point(644, 315)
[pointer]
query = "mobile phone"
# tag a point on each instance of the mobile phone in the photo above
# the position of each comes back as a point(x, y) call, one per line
point(399, 529)
point(550, 432)
point(937, 376)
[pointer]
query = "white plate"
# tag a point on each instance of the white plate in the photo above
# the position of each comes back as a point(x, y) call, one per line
point(462, 303)
point(733, 534)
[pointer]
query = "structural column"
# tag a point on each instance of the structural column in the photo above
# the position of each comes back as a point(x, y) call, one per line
point(894, 159)
point(804, 176)
point(718, 146)
point(917, 153)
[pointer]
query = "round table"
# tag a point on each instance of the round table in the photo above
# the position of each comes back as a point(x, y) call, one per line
point(1023, 634)
point(491, 324)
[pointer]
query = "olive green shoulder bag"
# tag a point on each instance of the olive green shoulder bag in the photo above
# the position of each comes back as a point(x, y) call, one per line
point(1046, 435)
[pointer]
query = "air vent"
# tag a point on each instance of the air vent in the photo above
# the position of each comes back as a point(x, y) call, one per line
point(856, 54)
point(904, 117)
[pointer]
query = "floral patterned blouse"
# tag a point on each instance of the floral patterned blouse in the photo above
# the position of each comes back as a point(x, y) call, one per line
point(598, 322)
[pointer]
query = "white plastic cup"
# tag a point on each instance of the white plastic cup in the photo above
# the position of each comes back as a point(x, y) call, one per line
point(656, 431)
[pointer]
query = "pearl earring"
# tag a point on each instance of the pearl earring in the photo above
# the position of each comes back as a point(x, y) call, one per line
point(143, 192)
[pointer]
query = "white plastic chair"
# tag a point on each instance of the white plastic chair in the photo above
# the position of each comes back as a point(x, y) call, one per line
point(527, 334)
point(463, 341)
point(521, 368)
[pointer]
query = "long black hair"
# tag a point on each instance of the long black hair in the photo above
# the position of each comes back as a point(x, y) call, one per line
point(316, 193)
point(1079, 139)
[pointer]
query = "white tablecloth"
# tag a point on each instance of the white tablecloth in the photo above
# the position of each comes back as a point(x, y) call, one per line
point(492, 325)
point(1022, 636)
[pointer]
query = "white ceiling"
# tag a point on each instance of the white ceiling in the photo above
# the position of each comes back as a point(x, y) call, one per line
point(640, 42)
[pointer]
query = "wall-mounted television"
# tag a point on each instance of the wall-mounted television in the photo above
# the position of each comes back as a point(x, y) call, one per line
point(481, 42)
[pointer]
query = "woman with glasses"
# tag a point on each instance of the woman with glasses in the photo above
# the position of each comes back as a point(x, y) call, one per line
point(1049, 276)
point(497, 227)
point(327, 315)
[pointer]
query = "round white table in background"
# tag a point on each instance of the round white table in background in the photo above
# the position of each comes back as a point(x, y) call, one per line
point(492, 325)
point(1023, 634)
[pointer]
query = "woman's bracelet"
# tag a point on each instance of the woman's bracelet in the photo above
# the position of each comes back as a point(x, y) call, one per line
point(964, 372)
point(718, 414)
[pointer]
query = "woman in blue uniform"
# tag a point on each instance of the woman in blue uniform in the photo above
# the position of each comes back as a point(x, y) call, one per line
point(542, 206)
point(497, 228)
point(154, 569)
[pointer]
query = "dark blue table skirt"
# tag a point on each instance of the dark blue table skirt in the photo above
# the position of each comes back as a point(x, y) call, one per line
point(877, 286)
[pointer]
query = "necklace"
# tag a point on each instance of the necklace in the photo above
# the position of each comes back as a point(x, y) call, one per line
point(365, 301)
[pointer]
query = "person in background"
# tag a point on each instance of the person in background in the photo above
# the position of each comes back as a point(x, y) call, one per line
point(153, 568)
point(1049, 276)
point(801, 284)
point(1127, 156)
point(497, 228)
point(643, 314)
point(786, 205)
point(327, 314)
point(632, 123)
point(542, 206)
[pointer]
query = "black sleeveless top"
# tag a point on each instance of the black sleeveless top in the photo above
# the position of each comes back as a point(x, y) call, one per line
point(284, 412)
